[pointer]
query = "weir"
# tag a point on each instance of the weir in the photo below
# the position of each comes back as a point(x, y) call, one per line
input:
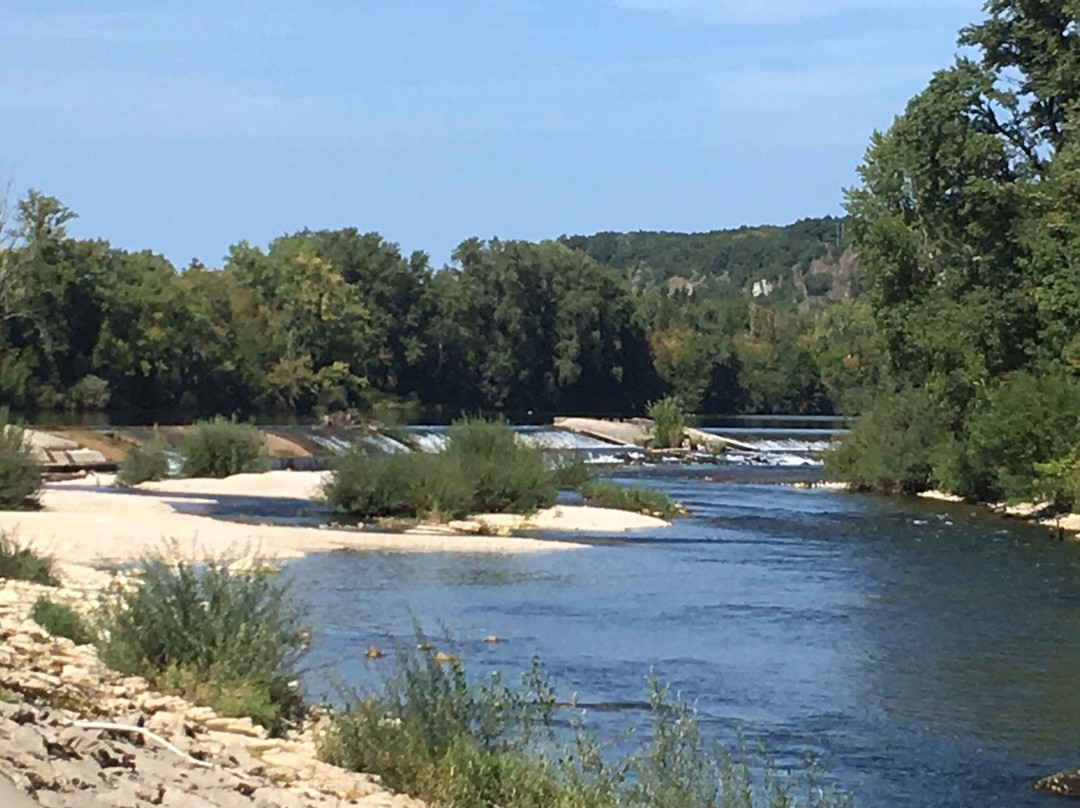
point(66, 451)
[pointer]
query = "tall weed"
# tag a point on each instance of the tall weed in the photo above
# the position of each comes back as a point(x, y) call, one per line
point(145, 462)
point(434, 733)
point(669, 423)
point(20, 473)
point(20, 562)
point(228, 639)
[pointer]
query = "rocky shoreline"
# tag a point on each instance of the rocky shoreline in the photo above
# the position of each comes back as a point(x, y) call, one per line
point(74, 733)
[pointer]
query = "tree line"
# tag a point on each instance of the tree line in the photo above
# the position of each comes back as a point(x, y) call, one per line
point(320, 321)
point(967, 224)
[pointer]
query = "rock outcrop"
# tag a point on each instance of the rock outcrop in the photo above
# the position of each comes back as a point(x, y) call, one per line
point(73, 733)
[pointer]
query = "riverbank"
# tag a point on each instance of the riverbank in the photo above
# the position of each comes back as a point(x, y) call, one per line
point(88, 522)
point(55, 697)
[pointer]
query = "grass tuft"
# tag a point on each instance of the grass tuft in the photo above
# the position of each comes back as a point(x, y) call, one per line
point(145, 462)
point(632, 498)
point(22, 563)
point(61, 620)
point(20, 473)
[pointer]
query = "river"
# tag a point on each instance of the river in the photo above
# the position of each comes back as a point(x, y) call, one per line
point(928, 651)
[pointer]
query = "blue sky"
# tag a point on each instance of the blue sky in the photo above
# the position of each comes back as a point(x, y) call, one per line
point(185, 127)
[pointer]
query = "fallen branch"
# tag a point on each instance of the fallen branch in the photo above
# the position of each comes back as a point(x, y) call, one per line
point(109, 727)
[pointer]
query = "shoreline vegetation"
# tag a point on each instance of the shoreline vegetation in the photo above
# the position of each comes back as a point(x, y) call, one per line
point(182, 657)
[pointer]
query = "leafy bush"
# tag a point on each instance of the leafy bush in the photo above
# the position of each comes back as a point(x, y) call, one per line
point(227, 639)
point(505, 475)
point(20, 562)
point(892, 447)
point(145, 462)
point(1057, 482)
point(641, 500)
point(20, 474)
point(568, 470)
point(401, 485)
point(1027, 420)
point(482, 469)
point(61, 620)
point(669, 423)
point(222, 447)
point(433, 733)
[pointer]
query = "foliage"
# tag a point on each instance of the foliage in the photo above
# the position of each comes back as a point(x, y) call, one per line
point(320, 321)
point(432, 732)
point(669, 423)
point(568, 469)
point(740, 256)
point(221, 447)
point(892, 446)
point(630, 498)
point(21, 563)
point(20, 474)
point(1057, 482)
point(505, 475)
point(61, 620)
point(146, 461)
point(228, 639)
point(400, 485)
point(1024, 421)
point(483, 468)
point(965, 221)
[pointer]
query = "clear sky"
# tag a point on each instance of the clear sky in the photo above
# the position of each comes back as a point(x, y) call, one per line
point(185, 127)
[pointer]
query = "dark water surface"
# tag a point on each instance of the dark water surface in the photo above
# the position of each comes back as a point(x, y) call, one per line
point(930, 652)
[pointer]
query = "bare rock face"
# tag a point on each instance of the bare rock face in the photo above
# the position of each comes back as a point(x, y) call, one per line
point(59, 746)
point(1062, 784)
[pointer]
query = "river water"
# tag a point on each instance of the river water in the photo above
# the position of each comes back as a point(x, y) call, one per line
point(928, 651)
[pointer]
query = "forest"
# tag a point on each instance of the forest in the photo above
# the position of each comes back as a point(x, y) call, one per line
point(325, 321)
point(966, 221)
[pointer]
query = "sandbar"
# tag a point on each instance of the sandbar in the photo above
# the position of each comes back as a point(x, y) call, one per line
point(89, 522)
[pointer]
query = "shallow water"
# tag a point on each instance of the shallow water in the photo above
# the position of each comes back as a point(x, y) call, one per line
point(929, 651)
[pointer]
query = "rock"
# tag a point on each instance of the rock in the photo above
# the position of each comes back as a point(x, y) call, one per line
point(373, 653)
point(279, 797)
point(491, 639)
point(444, 658)
point(1062, 784)
point(238, 726)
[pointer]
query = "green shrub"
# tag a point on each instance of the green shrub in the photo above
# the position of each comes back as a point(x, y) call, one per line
point(145, 462)
point(61, 621)
point(1025, 421)
point(432, 732)
point(222, 447)
point(669, 423)
point(505, 475)
point(484, 468)
point(568, 470)
point(893, 447)
point(20, 562)
point(632, 498)
point(20, 474)
point(230, 640)
point(399, 486)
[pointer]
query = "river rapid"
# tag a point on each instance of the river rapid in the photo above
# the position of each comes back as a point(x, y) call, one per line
point(928, 651)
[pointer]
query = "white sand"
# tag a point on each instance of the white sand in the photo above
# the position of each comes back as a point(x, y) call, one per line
point(83, 524)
